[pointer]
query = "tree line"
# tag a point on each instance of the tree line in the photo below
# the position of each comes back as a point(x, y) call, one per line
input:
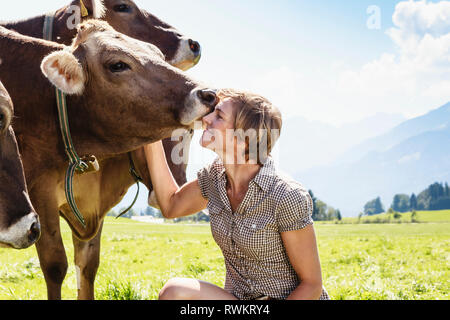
point(322, 211)
point(435, 197)
point(155, 213)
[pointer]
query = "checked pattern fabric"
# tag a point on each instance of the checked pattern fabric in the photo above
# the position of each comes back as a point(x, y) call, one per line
point(257, 264)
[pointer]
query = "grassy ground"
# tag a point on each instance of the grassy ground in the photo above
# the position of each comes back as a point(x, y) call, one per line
point(373, 261)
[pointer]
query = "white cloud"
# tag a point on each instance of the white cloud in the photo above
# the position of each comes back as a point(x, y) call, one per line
point(417, 76)
point(412, 157)
point(411, 80)
point(415, 19)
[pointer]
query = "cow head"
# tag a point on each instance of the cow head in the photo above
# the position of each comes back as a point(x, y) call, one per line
point(19, 224)
point(179, 50)
point(126, 17)
point(126, 87)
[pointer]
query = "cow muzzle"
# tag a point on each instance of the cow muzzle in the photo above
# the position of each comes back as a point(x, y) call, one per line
point(22, 234)
point(188, 54)
point(199, 103)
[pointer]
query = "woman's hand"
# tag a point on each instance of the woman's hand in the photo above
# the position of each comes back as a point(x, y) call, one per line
point(174, 201)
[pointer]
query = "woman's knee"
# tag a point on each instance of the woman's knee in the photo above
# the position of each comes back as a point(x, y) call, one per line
point(178, 289)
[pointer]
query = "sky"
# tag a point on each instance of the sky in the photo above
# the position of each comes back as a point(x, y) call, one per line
point(330, 61)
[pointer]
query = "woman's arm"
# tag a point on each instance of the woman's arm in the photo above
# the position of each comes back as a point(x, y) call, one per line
point(174, 201)
point(302, 251)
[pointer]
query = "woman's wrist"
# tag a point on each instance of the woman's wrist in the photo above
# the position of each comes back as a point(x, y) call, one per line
point(155, 156)
point(154, 153)
point(164, 184)
point(152, 146)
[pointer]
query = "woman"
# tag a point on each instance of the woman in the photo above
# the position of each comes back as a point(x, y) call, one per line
point(260, 220)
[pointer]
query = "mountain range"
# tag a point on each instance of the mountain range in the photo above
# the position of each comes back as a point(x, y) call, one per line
point(307, 144)
point(405, 159)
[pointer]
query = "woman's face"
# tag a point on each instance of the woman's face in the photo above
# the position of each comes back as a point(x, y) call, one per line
point(219, 128)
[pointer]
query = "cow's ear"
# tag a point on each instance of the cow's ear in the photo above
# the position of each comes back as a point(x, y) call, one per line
point(64, 71)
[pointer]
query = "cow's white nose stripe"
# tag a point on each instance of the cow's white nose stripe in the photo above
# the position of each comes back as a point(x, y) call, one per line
point(184, 57)
point(17, 234)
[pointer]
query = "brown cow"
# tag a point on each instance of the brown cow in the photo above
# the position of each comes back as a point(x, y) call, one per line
point(19, 223)
point(124, 95)
point(113, 179)
point(126, 17)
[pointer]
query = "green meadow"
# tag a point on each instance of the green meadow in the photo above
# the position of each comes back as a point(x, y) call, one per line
point(359, 261)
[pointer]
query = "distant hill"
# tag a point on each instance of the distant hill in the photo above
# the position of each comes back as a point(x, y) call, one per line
point(306, 144)
point(434, 120)
point(408, 158)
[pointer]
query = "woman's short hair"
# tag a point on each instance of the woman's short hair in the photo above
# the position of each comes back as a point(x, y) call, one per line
point(257, 121)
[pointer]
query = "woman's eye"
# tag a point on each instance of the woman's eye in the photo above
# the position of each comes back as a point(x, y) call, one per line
point(122, 8)
point(119, 67)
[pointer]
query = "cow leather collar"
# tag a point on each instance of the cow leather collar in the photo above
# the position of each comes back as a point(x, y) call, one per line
point(78, 164)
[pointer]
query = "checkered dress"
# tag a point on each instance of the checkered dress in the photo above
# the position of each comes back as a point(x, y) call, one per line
point(255, 257)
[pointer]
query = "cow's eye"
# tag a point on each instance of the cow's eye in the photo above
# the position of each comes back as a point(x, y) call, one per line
point(122, 8)
point(118, 67)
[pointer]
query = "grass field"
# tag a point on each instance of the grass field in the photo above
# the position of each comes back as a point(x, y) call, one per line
point(359, 261)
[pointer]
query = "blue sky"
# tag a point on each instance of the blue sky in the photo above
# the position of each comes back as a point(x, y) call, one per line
point(248, 43)
point(315, 59)
point(251, 37)
point(244, 40)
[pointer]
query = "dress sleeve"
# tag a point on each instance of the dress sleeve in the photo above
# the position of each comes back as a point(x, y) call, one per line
point(295, 211)
point(204, 181)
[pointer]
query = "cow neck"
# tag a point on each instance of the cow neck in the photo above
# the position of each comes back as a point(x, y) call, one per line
point(33, 27)
point(30, 27)
point(61, 102)
point(76, 163)
point(20, 72)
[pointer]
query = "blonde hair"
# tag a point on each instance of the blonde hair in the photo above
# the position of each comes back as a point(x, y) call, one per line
point(254, 112)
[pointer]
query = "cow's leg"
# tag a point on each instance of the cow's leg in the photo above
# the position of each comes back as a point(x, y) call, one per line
point(50, 249)
point(87, 260)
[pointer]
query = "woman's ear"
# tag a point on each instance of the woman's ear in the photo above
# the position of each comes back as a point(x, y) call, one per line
point(64, 71)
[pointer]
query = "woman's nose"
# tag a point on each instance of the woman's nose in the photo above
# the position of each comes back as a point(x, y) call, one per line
point(206, 121)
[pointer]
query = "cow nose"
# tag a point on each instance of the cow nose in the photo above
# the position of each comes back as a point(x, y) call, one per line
point(34, 232)
point(209, 98)
point(195, 47)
